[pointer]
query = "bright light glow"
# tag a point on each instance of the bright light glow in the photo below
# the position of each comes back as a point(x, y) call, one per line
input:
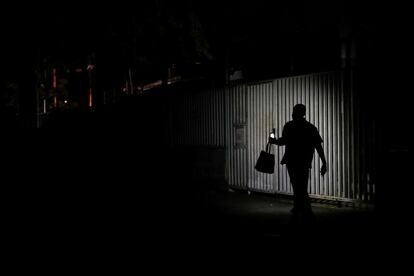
point(54, 79)
point(66, 101)
point(153, 85)
point(90, 96)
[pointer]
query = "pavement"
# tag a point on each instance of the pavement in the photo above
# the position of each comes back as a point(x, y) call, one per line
point(190, 222)
point(255, 215)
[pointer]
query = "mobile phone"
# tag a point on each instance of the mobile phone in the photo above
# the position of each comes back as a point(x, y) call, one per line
point(272, 134)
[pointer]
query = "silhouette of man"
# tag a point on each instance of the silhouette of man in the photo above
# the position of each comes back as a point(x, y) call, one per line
point(301, 138)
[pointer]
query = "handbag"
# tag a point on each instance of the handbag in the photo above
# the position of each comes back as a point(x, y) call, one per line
point(266, 161)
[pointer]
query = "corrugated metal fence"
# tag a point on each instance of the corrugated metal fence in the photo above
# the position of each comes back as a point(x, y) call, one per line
point(270, 106)
point(239, 118)
point(198, 119)
point(236, 142)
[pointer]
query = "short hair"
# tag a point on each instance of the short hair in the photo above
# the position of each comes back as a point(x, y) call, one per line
point(299, 110)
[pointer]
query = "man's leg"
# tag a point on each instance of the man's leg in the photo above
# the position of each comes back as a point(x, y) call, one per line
point(299, 177)
point(303, 180)
point(295, 181)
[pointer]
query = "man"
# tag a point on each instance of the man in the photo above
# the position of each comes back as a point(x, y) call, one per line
point(301, 138)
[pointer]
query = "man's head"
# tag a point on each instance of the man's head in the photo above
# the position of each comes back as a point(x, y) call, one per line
point(299, 112)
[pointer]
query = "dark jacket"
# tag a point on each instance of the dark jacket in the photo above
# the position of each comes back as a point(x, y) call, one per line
point(300, 138)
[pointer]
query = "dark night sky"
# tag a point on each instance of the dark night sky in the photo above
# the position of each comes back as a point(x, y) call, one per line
point(162, 32)
point(262, 38)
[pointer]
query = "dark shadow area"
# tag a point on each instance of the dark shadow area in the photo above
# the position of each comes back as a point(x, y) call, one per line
point(100, 185)
point(67, 199)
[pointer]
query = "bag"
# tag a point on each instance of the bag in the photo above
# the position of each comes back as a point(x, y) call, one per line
point(266, 161)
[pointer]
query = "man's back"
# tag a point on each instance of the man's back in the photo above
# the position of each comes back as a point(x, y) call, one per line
point(301, 139)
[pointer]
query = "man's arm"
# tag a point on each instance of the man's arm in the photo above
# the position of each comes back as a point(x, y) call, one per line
point(321, 154)
point(280, 141)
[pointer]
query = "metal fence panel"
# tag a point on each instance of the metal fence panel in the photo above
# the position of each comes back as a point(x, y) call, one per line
point(239, 118)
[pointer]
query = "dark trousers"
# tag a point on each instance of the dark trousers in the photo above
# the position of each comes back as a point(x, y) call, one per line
point(299, 177)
